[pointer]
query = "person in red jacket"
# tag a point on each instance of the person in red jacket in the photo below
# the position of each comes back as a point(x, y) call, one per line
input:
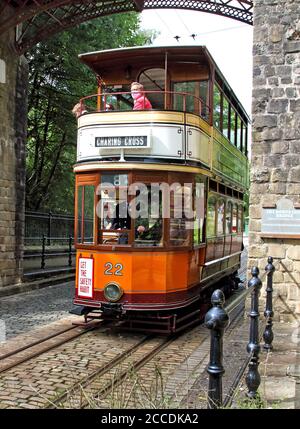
point(141, 102)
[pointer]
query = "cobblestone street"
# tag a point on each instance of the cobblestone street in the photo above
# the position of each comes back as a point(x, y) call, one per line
point(23, 312)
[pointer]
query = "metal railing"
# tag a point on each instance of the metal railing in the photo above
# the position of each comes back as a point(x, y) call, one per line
point(46, 253)
point(122, 101)
point(50, 224)
point(217, 319)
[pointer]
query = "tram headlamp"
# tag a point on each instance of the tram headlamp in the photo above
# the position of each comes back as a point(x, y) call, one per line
point(113, 292)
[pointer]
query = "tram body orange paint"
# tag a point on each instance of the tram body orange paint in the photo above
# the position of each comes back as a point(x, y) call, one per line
point(142, 272)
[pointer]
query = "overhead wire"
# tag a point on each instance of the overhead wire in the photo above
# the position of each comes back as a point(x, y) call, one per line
point(190, 33)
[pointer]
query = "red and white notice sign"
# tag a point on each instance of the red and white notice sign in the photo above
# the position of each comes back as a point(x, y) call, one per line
point(85, 277)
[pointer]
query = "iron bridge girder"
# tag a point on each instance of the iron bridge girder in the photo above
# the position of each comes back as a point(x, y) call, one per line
point(36, 20)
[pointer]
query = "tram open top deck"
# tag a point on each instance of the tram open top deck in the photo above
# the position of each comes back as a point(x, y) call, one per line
point(196, 118)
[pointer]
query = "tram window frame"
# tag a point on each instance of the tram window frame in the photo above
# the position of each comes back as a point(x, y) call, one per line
point(227, 129)
point(245, 138)
point(233, 115)
point(196, 93)
point(144, 240)
point(82, 182)
point(240, 217)
point(199, 222)
point(228, 217)
point(119, 236)
point(214, 222)
point(221, 231)
point(176, 223)
point(148, 178)
point(235, 217)
point(239, 132)
point(217, 114)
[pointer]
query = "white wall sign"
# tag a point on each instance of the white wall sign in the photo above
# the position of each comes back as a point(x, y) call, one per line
point(85, 277)
point(2, 71)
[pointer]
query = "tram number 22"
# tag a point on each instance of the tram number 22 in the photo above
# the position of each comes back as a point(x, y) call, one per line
point(109, 267)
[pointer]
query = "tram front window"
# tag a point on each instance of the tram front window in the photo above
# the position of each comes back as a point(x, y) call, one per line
point(112, 210)
point(180, 223)
point(85, 214)
point(149, 224)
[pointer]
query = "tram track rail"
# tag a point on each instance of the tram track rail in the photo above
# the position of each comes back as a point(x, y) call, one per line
point(110, 376)
point(29, 351)
point(100, 382)
point(91, 382)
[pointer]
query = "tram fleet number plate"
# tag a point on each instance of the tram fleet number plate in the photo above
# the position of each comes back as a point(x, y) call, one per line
point(122, 142)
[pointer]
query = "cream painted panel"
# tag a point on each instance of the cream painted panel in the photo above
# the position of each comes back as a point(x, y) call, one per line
point(165, 141)
point(198, 145)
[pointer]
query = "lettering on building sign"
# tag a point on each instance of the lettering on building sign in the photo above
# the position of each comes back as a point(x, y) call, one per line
point(283, 219)
point(2, 71)
point(85, 277)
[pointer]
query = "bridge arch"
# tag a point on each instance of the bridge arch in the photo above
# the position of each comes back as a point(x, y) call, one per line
point(41, 19)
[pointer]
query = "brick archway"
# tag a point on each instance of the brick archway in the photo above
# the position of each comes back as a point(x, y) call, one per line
point(41, 19)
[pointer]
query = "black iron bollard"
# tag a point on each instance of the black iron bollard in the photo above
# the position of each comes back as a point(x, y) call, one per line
point(43, 252)
point(70, 251)
point(253, 347)
point(268, 333)
point(216, 319)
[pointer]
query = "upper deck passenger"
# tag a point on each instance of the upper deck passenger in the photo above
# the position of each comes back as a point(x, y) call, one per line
point(141, 102)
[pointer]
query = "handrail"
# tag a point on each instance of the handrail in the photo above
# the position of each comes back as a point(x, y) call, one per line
point(203, 109)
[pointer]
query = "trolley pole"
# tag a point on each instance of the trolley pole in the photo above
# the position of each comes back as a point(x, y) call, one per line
point(216, 320)
point(253, 347)
point(268, 313)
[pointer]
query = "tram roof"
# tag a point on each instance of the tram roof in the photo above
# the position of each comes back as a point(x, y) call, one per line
point(109, 58)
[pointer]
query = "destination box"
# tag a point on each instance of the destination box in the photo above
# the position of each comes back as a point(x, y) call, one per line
point(122, 142)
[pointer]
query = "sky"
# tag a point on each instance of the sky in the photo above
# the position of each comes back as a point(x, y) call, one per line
point(229, 42)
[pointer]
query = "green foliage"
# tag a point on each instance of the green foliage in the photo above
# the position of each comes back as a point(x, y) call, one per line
point(57, 79)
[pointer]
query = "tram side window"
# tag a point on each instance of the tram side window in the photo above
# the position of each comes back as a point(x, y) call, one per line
point(239, 133)
point(232, 126)
point(228, 223)
point(199, 195)
point(221, 217)
point(226, 119)
point(211, 217)
point(244, 133)
point(217, 107)
point(240, 225)
point(182, 102)
point(149, 223)
point(179, 223)
point(234, 218)
point(85, 213)
point(112, 209)
point(198, 90)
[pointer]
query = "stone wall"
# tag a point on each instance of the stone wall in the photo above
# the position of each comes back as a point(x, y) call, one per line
point(275, 160)
point(13, 113)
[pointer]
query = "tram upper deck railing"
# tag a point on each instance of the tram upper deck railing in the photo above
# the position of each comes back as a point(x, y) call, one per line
point(160, 100)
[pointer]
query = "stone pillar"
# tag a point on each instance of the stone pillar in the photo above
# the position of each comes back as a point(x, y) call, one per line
point(13, 114)
point(275, 160)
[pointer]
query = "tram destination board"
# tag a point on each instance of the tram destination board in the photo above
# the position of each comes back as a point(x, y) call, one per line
point(122, 142)
point(282, 220)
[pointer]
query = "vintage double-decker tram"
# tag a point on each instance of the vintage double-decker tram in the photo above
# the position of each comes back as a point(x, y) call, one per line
point(149, 271)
